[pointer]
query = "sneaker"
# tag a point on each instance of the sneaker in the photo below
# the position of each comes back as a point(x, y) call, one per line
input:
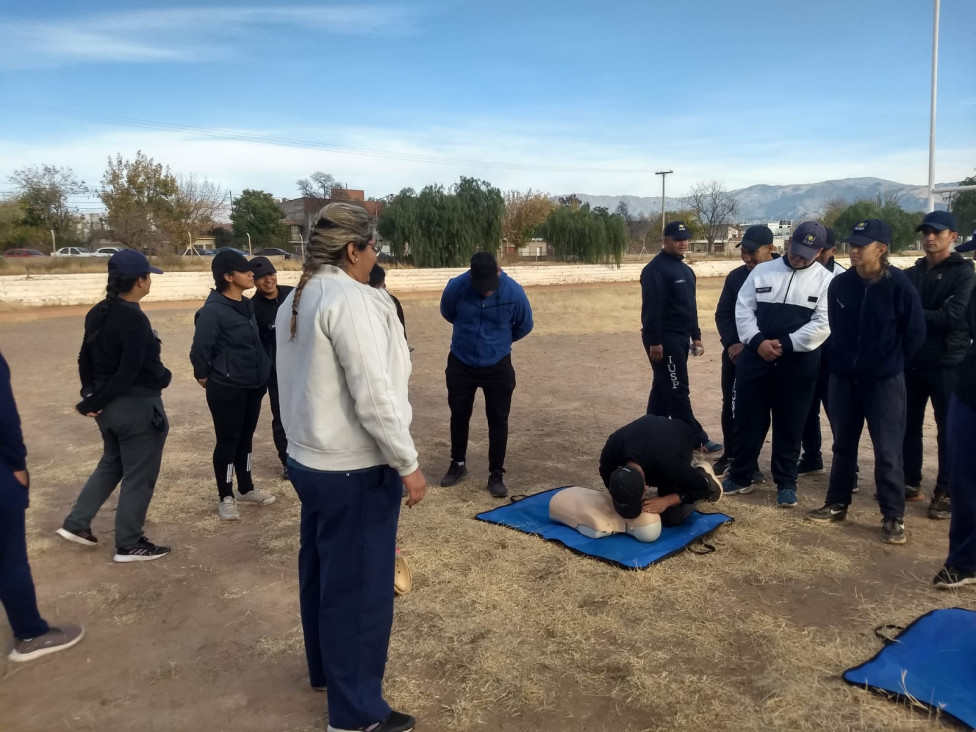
point(722, 465)
point(84, 537)
point(710, 447)
point(731, 488)
point(810, 467)
point(56, 639)
point(786, 497)
point(940, 508)
point(454, 474)
point(227, 509)
point(285, 475)
point(828, 513)
point(143, 551)
point(256, 496)
point(758, 477)
point(857, 483)
point(914, 493)
point(951, 577)
point(893, 531)
point(394, 722)
point(496, 484)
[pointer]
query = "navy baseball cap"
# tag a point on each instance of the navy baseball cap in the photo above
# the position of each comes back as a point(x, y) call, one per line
point(677, 230)
point(484, 272)
point(870, 231)
point(968, 246)
point(938, 220)
point(755, 237)
point(226, 261)
point(627, 491)
point(261, 267)
point(130, 262)
point(808, 239)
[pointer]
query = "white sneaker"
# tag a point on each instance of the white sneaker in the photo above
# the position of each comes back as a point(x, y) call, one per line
point(227, 509)
point(256, 496)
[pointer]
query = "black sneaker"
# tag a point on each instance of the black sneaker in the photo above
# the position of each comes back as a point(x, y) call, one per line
point(950, 577)
point(394, 722)
point(893, 531)
point(84, 537)
point(143, 551)
point(940, 508)
point(758, 477)
point(285, 474)
point(496, 484)
point(827, 513)
point(454, 474)
point(914, 493)
point(810, 466)
point(722, 465)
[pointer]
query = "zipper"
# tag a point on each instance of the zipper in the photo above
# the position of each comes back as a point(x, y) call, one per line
point(789, 285)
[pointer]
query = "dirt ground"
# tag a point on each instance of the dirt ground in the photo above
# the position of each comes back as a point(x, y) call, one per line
point(502, 631)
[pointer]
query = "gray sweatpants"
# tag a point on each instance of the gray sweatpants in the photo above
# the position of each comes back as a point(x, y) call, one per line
point(132, 453)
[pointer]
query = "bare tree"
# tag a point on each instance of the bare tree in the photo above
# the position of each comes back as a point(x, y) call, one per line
point(715, 208)
point(195, 207)
point(320, 185)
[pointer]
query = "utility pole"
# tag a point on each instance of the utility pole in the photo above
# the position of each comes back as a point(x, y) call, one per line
point(664, 174)
point(935, 80)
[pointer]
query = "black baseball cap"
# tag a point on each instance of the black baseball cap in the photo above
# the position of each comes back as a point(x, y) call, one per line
point(226, 261)
point(938, 220)
point(261, 267)
point(756, 237)
point(677, 230)
point(808, 239)
point(130, 262)
point(869, 231)
point(627, 491)
point(484, 272)
point(968, 246)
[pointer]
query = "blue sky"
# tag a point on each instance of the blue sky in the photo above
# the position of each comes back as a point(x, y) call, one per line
point(554, 96)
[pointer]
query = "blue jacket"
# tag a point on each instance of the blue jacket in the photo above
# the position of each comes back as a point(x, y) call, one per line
point(13, 453)
point(874, 328)
point(485, 327)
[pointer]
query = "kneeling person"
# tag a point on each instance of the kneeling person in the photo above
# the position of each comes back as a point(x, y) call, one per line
point(656, 452)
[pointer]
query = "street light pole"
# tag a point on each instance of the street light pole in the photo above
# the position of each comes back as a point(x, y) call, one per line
point(935, 80)
point(664, 174)
point(249, 252)
point(54, 243)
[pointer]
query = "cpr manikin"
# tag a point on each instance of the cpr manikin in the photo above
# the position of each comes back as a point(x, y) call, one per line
point(592, 514)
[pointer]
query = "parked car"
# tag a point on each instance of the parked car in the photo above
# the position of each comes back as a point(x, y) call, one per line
point(231, 249)
point(23, 253)
point(107, 251)
point(73, 252)
point(274, 252)
point(198, 252)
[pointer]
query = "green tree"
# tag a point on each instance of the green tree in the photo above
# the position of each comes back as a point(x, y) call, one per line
point(43, 193)
point(584, 235)
point(902, 222)
point(14, 232)
point(139, 197)
point(524, 214)
point(257, 213)
point(964, 207)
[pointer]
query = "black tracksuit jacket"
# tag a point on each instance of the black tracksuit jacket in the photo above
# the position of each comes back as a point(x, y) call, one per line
point(227, 344)
point(945, 290)
point(265, 312)
point(668, 303)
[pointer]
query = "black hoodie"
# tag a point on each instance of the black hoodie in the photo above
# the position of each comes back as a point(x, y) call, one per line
point(227, 344)
point(945, 290)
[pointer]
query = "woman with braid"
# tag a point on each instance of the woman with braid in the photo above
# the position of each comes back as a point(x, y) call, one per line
point(121, 381)
point(343, 366)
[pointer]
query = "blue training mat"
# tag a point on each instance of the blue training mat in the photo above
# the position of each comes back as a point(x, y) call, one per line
point(933, 660)
point(531, 515)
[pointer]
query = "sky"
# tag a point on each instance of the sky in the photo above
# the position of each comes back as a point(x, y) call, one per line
point(551, 96)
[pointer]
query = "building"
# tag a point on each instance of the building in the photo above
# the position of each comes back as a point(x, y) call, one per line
point(298, 214)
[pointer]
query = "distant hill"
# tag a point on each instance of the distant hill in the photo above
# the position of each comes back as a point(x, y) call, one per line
point(796, 202)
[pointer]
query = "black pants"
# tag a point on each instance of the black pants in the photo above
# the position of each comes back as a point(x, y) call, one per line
point(497, 382)
point(670, 394)
point(676, 515)
point(781, 389)
point(920, 386)
point(277, 429)
point(812, 443)
point(882, 405)
point(235, 415)
point(728, 409)
point(962, 467)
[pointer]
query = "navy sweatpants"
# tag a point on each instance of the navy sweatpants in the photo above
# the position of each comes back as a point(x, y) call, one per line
point(812, 442)
point(961, 458)
point(345, 574)
point(16, 584)
point(882, 404)
point(670, 394)
point(922, 385)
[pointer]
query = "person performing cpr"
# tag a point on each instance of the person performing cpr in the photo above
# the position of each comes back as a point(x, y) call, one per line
point(648, 467)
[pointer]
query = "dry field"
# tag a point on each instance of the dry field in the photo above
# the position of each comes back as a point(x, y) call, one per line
point(502, 631)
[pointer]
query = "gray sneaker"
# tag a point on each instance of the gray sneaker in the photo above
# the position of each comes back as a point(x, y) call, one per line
point(256, 496)
point(227, 509)
point(56, 639)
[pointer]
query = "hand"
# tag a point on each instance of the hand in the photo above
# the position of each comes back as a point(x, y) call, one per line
point(770, 350)
point(655, 353)
point(202, 382)
point(23, 477)
point(660, 504)
point(416, 485)
point(93, 414)
point(697, 349)
point(734, 350)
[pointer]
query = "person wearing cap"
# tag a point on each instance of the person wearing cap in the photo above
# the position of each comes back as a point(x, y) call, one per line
point(231, 364)
point(267, 297)
point(756, 247)
point(811, 445)
point(876, 325)
point(648, 465)
point(781, 316)
point(377, 279)
point(122, 379)
point(944, 280)
point(669, 330)
point(489, 312)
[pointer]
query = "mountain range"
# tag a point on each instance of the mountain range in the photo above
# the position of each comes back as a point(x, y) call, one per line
point(794, 202)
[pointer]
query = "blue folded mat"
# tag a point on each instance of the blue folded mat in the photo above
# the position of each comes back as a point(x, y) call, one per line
point(933, 660)
point(531, 515)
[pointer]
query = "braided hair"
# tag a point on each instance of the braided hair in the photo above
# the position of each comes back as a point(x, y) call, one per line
point(118, 284)
point(337, 225)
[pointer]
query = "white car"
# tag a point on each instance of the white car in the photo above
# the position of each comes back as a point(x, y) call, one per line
point(107, 251)
point(73, 252)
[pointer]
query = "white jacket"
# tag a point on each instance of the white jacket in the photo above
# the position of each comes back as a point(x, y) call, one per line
point(342, 381)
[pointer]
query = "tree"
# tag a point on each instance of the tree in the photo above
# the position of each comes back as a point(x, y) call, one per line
point(587, 236)
point(572, 200)
point(714, 207)
point(139, 197)
point(964, 207)
point(43, 193)
point(195, 206)
point(257, 213)
point(319, 185)
point(524, 213)
point(902, 222)
point(14, 232)
point(831, 210)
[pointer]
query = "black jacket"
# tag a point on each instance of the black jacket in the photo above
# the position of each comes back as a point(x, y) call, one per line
point(119, 356)
point(227, 344)
point(725, 311)
point(663, 448)
point(945, 290)
point(874, 328)
point(668, 300)
point(966, 370)
point(265, 312)
point(13, 453)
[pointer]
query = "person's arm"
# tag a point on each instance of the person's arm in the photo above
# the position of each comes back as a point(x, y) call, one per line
point(652, 304)
point(911, 321)
point(695, 328)
point(13, 452)
point(812, 334)
point(725, 315)
point(449, 300)
point(134, 341)
point(746, 323)
point(522, 317)
point(952, 314)
point(204, 342)
point(86, 368)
